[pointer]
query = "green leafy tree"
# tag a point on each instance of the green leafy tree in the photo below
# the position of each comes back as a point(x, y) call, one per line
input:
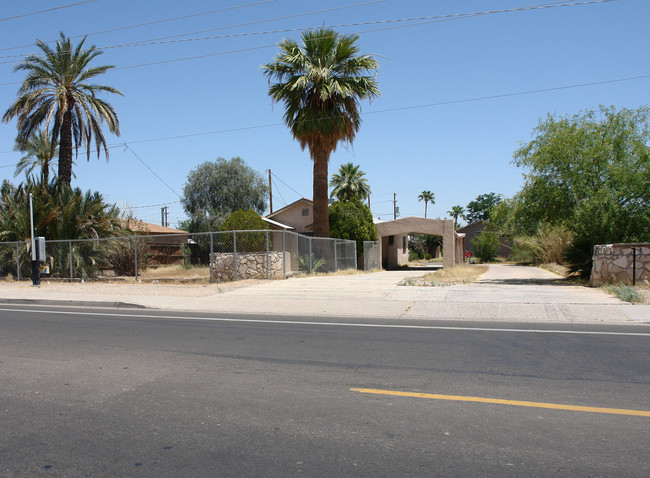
point(457, 212)
point(590, 173)
point(214, 189)
point(56, 90)
point(320, 82)
point(486, 245)
point(427, 197)
point(247, 220)
point(480, 208)
point(350, 182)
point(352, 220)
point(39, 154)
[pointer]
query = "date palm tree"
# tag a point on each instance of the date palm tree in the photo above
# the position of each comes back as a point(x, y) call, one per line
point(456, 212)
point(56, 93)
point(350, 182)
point(320, 81)
point(39, 153)
point(427, 196)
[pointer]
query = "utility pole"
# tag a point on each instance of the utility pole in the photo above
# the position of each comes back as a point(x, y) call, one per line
point(395, 208)
point(164, 211)
point(270, 194)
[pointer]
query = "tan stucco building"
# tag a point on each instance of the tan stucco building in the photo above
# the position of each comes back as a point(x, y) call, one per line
point(393, 240)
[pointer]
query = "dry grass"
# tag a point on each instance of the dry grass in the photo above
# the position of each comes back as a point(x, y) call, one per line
point(458, 275)
point(556, 268)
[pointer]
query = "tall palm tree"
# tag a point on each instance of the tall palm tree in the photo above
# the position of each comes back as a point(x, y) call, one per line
point(350, 182)
point(427, 196)
point(320, 82)
point(39, 153)
point(456, 212)
point(56, 91)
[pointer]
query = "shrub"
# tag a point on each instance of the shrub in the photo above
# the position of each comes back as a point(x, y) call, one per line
point(548, 245)
point(316, 263)
point(352, 220)
point(626, 293)
point(486, 246)
point(247, 220)
point(120, 257)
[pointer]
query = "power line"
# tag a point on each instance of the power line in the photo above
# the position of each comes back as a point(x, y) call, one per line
point(430, 19)
point(155, 41)
point(152, 171)
point(301, 195)
point(138, 25)
point(45, 11)
point(388, 110)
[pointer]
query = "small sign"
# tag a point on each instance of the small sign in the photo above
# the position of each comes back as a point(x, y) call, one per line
point(45, 269)
point(468, 254)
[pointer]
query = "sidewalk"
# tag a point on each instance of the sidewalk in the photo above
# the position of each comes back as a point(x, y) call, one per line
point(505, 293)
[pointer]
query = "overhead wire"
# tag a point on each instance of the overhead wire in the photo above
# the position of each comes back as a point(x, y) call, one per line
point(153, 22)
point(22, 15)
point(387, 110)
point(429, 19)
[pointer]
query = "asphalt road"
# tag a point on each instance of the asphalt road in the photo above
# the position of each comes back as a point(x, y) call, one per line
point(89, 392)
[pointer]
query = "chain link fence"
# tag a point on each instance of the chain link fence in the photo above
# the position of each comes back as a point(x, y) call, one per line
point(200, 257)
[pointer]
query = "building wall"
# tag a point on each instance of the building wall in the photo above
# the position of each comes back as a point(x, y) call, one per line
point(293, 216)
point(615, 262)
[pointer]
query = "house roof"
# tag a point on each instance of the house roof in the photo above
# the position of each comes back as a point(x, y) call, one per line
point(148, 228)
point(278, 224)
point(292, 205)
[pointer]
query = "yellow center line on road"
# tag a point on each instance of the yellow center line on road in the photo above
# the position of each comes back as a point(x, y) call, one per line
point(517, 403)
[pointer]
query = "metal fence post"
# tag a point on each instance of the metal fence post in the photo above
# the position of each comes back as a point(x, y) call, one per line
point(18, 262)
point(211, 258)
point(234, 252)
point(310, 238)
point(284, 253)
point(634, 267)
point(268, 265)
point(71, 268)
point(336, 264)
point(135, 241)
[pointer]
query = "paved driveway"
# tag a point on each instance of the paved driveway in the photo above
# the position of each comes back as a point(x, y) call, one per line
point(505, 293)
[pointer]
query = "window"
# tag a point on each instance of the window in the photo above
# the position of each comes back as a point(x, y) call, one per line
point(305, 211)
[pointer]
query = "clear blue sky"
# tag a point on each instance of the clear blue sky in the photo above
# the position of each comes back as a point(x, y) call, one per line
point(428, 131)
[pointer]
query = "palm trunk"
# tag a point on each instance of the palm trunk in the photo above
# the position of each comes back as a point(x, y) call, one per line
point(425, 209)
point(321, 213)
point(65, 149)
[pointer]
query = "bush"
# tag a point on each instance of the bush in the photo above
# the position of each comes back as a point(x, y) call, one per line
point(352, 220)
point(626, 293)
point(247, 220)
point(548, 245)
point(486, 246)
point(120, 257)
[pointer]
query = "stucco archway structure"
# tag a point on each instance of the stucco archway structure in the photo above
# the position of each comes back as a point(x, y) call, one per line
point(393, 239)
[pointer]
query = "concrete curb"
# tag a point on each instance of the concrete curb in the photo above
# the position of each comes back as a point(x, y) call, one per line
point(74, 303)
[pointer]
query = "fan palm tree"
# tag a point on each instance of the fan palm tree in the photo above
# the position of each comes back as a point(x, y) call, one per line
point(350, 182)
point(427, 196)
point(456, 212)
point(39, 153)
point(56, 91)
point(320, 82)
